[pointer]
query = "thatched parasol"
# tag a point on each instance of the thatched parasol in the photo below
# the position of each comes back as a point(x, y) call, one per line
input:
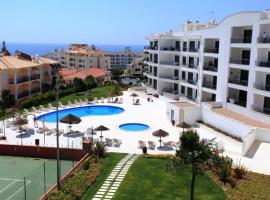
point(133, 95)
point(20, 122)
point(160, 133)
point(101, 128)
point(184, 125)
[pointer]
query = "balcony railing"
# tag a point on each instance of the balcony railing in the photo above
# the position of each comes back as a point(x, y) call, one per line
point(210, 68)
point(169, 77)
point(209, 50)
point(35, 76)
point(35, 91)
point(185, 48)
point(261, 110)
point(23, 94)
point(22, 79)
point(263, 63)
point(193, 50)
point(46, 73)
point(263, 40)
point(193, 66)
point(192, 82)
point(241, 40)
point(262, 87)
point(191, 98)
point(170, 90)
point(238, 81)
point(239, 61)
point(170, 49)
point(169, 63)
point(237, 102)
point(209, 85)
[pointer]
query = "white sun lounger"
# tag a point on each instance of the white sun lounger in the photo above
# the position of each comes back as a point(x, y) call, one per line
point(151, 145)
point(117, 142)
point(35, 110)
point(142, 144)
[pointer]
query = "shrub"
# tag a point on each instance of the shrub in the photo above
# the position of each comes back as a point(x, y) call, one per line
point(100, 149)
point(224, 168)
point(66, 92)
point(239, 171)
point(173, 122)
point(37, 100)
point(86, 165)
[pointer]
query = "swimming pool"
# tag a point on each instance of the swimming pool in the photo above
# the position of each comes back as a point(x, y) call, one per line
point(83, 111)
point(134, 127)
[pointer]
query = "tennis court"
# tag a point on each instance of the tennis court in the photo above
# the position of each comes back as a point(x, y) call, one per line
point(27, 177)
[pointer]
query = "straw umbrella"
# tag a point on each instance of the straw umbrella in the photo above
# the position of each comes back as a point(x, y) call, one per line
point(160, 133)
point(184, 125)
point(20, 122)
point(70, 119)
point(101, 128)
point(133, 95)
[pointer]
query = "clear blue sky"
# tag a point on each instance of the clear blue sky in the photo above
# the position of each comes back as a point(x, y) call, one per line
point(107, 21)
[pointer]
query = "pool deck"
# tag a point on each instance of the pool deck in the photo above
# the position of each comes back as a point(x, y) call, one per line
point(152, 114)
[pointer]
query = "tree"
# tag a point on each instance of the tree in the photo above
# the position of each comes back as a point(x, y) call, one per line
point(116, 74)
point(8, 99)
point(90, 82)
point(79, 84)
point(4, 48)
point(195, 153)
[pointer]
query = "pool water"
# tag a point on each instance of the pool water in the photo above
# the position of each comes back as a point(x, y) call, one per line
point(83, 112)
point(134, 127)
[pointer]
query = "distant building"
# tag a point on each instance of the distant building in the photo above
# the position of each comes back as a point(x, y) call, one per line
point(135, 69)
point(121, 59)
point(81, 56)
point(100, 75)
point(24, 75)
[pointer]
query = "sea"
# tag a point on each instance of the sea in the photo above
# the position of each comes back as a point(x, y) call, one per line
point(43, 49)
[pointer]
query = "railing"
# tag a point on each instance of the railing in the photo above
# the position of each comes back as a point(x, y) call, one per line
point(262, 87)
point(35, 76)
point(263, 63)
point(22, 79)
point(185, 48)
point(153, 47)
point(210, 68)
point(46, 73)
point(263, 40)
point(193, 66)
point(241, 40)
point(170, 90)
point(191, 98)
point(237, 102)
point(169, 77)
point(209, 50)
point(170, 49)
point(36, 90)
point(238, 81)
point(169, 63)
point(193, 50)
point(23, 94)
point(209, 85)
point(261, 110)
point(192, 82)
point(239, 61)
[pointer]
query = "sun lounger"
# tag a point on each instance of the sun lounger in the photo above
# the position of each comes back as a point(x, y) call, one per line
point(102, 100)
point(115, 100)
point(61, 105)
point(51, 107)
point(120, 100)
point(70, 104)
point(109, 100)
point(108, 142)
point(117, 142)
point(137, 102)
point(141, 144)
point(151, 145)
point(27, 112)
point(96, 100)
point(169, 145)
point(43, 108)
point(82, 102)
point(35, 110)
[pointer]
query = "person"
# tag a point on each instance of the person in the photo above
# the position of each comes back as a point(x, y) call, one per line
point(264, 35)
point(43, 121)
point(35, 122)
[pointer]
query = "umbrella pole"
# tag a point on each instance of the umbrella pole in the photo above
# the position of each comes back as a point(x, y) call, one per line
point(44, 138)
point(160, 142)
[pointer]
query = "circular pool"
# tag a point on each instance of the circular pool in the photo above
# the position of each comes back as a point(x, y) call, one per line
point(134, 127)
point(83, 111)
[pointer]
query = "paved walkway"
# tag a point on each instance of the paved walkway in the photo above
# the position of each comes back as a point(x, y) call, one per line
point(115, 178)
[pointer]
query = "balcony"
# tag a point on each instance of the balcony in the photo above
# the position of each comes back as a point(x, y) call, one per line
point(193, 50)
point(207, 50)
point(35, 91)
point(210, 68)
point(192, 82)
point(261, 110)
point(169, 77)
point(193, 66)
point(169, 49)
point(241, 40)
point(35, 77)
point(262, 87)
point(23, 94)
point(238, 82)
point(232, 100)
point(209, 85)
point(169, 63)
point(263, 40)
point(240, 61)
point(22, 79)
point(191, 98)
point(263, 64)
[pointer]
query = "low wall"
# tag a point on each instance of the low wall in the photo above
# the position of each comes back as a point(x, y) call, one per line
point(263, 135)
point(224, 123)
point(248, 141)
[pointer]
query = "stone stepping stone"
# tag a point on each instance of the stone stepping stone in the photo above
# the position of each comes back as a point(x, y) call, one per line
point(101, 193)
point(114, 187)
point(106, 184)
point(102, 190)
point(110, 193)
point(96, 198)
point(108, 197)
point(104, 187)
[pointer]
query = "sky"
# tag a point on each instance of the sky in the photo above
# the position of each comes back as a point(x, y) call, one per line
point(107, 21)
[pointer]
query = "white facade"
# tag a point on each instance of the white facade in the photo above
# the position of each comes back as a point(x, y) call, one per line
point(227, 63)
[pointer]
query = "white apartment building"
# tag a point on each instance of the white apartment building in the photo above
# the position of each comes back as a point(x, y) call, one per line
point(120, 60)
point(80, 56)
point(227, 63)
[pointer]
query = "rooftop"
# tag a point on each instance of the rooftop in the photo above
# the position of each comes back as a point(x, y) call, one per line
point(70, 74)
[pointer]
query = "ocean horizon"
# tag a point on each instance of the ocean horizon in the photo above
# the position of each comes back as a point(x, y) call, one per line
point(43, 49)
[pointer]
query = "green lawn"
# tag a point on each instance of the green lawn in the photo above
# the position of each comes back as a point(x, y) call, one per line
point(157, 179)
point(107, 166)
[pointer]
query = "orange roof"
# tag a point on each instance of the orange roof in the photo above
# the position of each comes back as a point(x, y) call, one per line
point(70, 74)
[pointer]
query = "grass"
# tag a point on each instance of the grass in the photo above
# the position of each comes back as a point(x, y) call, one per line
point(157, 179)
point(107, 166)
point(252, 186)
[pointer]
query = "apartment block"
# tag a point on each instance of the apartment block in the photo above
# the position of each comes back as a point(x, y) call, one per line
point(81, 56)
point(24, 75)
point(227, 63)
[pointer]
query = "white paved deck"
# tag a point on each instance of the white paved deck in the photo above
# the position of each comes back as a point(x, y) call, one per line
point(152, 114)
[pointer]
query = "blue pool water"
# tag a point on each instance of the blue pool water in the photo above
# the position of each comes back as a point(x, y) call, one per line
point(82, 112)
point(134, 127)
